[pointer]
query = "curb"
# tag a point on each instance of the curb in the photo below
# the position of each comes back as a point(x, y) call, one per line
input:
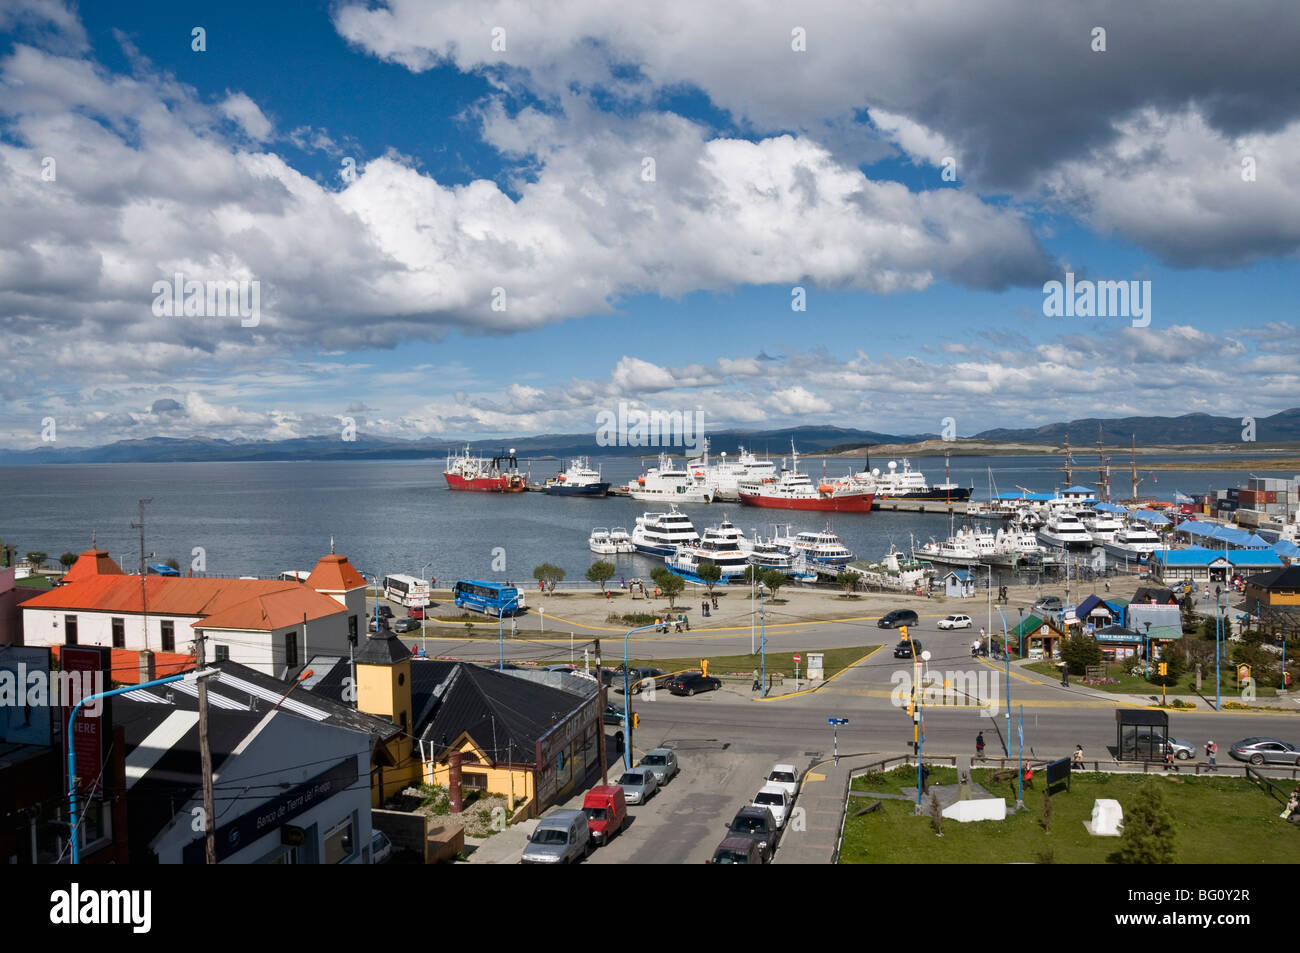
point(824, 683)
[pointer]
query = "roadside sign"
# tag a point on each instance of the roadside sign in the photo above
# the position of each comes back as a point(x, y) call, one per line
point(837, 721)
point(796, 658)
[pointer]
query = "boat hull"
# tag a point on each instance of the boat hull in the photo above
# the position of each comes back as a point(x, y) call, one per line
point(498, 484)
point(589, 489)
point(958, 495)
point(856, 503)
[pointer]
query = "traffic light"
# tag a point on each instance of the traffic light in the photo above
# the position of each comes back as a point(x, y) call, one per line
point(910, 708)
point(636, 720)
point(1164, 668)
point(903, 631)
point(704, 666)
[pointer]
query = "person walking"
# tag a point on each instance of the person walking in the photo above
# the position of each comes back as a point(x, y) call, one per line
point(1211, 751)
point(1076, 760)
point(979, 746)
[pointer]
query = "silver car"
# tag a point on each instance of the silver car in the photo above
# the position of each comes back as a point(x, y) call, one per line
point(663, 762)
point(638, 784)
point(561, 837)
point(1265, 751)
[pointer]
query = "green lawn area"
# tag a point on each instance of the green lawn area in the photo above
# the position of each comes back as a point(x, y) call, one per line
point(1219, 821)
point(836, 660)
point(38, 581)
point(1138, 685)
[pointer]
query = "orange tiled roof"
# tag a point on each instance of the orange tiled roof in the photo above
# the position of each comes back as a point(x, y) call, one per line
point(93, 562)
point(124, 665)
point(274, 610)
point(334, 574)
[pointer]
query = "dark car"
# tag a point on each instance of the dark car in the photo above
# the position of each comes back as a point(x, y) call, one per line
point(736, 850)
point(613, 716)
point(385, 612)
point(758, 824)
point(643, 674)
point(406, 625)
point(893, 620)
point(909, 649)
point(688, 683)
point(1049, 604)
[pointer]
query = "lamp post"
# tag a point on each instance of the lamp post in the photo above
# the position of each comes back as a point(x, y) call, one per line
point(1146, 647)
point(501, 633)
point(627, 696)
point(1218, 634)
point(920, 720)
point(424, 615)
point(1007, 656)
point(762, 641)
point(72, 751)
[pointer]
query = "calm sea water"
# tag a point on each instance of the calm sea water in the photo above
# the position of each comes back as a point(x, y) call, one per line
point(263, 518)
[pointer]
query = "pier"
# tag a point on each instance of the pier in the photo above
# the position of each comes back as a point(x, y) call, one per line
point(957, 508)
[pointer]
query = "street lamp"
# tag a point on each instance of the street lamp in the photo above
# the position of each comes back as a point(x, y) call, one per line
point(72, 751)
point(424, 616)
point(920, 735)
point(762, 641)
point(1219, 601)
point(501, 632)
point(627, 697)
point(1007, 656)
point(1146, 647)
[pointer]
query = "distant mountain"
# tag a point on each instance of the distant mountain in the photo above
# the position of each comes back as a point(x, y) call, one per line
point(1189, 429)
point(366, 447)
point(1156, 431)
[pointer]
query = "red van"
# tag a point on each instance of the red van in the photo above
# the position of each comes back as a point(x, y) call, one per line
point(606, 811)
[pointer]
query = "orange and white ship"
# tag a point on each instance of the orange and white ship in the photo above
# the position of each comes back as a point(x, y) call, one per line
point(500, 474)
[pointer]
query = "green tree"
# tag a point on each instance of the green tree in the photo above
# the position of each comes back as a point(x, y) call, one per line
point(753, 575)
point(1176, 668)
point(548, 575)
point(601, 571)
point(1080, 651)
point(1148, 835)
point(774, 579)
point(37, 559)
point(173, 564)
point(670, 584)
point(709, 574)
point(67, 559)
point(846, 580)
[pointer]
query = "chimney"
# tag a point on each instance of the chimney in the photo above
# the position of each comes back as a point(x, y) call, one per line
point(146, 666)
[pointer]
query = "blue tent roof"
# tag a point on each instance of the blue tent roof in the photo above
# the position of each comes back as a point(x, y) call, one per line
point(1109, 508)
point(1032, 497)
point(162, 569)
point(1200, 556)
point(1152, 517)
point(1078, 489)
point(1284, 547)
point(961, 574)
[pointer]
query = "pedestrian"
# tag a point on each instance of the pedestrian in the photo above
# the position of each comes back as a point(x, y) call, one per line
point(979, 746)
point(925, 777)
point(981, 633)
point(757, 681)
point(1076, 760)
point(1108, 585)
point(1211, 751)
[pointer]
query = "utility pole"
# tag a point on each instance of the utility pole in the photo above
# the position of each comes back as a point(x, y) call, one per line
point(144, 605)
point(205, 756)
point(600, 745)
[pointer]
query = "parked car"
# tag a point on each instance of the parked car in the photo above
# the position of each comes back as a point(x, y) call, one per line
point(776, 799)
point(1182, 750)
point(737, 850)
point(785, 775)
point(415, 612)
point(385, 611)
point(892, 620)
point(758, 824)
point(663, 762)
point(955, 622)
point(406, 625)
point(561, 837)
point(381, 848)
point(613, 716)
point(1265, 751)
point(642, 674)
point(639, 785)
point(908, 649)
point(606, 808)
point(688, 683)
point(1049, 604)
point(563, 668)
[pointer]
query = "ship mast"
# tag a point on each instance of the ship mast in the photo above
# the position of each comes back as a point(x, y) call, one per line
point(1133, 463)
point(1069, 463)
point(1103, 471)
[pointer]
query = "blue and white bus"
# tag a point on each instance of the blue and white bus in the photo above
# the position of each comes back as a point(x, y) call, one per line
point(490, 598)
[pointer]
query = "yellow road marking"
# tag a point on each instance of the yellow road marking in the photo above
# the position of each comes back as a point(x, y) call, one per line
point(813, 776)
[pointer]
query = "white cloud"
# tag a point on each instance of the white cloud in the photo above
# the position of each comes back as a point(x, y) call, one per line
point(246, 113)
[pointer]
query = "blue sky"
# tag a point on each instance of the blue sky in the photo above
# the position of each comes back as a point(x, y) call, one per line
point(521, 169)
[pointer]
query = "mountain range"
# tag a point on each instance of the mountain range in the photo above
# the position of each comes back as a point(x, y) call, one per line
point(1186, 430)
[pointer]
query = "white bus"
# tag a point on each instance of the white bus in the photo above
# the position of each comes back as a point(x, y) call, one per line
point(294, 575)
point(406, 590)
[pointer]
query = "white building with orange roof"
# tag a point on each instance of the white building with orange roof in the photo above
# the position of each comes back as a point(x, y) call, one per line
point(268, 625)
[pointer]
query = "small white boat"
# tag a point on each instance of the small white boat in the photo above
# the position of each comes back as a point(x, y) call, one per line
point(600, 542)
point(621, 540)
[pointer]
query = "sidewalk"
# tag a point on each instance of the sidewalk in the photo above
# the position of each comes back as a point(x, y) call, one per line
point(821, 796)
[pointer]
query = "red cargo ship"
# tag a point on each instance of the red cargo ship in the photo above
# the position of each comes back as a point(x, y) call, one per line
point(498, 475)
point(795, 491)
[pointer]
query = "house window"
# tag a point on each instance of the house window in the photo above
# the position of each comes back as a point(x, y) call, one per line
point(223, 652)
point(339, 843)
point(119, 633)
point(168, 635)
point(473, 781)
point(291, 648)
point(70, 629)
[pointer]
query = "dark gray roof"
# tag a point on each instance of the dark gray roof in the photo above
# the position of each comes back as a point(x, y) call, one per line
point(1163, 597)
point(1286, 578)
point(504, 715)
point(382, 649)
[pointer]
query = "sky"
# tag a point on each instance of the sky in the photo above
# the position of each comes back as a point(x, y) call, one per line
point(493, 218)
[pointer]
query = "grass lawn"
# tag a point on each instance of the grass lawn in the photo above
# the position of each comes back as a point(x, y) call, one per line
point(783, 662)
point(1219, 821)
point(1138, 685)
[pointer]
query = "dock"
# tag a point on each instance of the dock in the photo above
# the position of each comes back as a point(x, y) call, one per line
point(920, 506)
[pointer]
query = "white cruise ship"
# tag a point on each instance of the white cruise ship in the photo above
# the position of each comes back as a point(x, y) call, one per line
point(724, 475)
point(670, 483)
point(715, 546)
point(1134, 542)
point(819, 549)
point(1102, 526)
point(659, 534)
point(1064, 530)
